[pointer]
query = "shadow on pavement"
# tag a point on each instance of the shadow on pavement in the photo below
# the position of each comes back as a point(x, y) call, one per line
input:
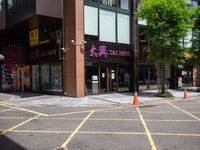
point(8, 144)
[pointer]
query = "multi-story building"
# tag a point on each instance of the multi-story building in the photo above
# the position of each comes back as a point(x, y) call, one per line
point(70, 47)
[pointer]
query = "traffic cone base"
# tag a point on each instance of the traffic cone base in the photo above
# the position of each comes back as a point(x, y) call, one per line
point(135, 100)
point(185, 94)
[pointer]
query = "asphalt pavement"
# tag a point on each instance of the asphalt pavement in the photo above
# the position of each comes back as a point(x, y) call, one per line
point(163, 125)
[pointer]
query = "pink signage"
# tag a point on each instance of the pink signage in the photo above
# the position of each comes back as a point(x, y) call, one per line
point(104, 52)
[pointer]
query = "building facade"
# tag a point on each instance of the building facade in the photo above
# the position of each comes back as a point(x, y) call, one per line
point(69, 47)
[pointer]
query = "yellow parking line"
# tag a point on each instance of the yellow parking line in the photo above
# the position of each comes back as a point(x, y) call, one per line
point(36, 131)
point(184, 111)
point(153, 146)
point(108, 133)
point(13, 118)
point(149, 120)
point(5, 110)
point(4, 132)
point(70, 113)
point(85, 111)
point(23, 109)
point(176, 134)
point(76, 130)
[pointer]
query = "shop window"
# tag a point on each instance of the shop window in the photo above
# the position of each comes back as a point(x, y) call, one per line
point(91, 20)
point(108, 2)
point(1, 5)
point(35, 78)
point(56, 78)
point(123, 29)
point(45, 78)
point(13, 3)
point(124, 4)
point(107, 26)
point(123, 78)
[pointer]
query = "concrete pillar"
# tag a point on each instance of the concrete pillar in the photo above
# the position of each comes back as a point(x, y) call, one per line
point(74, 56)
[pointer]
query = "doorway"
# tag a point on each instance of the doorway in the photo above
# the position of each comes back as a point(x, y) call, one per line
point(108, 78)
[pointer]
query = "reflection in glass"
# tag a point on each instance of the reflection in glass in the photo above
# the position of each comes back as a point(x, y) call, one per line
point(45, 76)
point(124, 4)
point(1, 5)
point(56, 78)
point(108, 2)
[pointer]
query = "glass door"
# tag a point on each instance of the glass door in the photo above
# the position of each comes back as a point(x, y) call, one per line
point(113, 79)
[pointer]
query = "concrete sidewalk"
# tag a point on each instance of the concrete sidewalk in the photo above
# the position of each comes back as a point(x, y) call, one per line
point(34, 99)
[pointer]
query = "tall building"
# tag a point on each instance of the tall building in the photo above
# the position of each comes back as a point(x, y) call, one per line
point(69, 47)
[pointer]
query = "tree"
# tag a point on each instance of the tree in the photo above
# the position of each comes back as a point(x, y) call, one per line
point(196, 37)
point(167, 23)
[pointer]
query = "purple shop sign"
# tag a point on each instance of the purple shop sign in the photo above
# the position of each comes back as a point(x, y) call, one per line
point(36, 54)
point(103, 52)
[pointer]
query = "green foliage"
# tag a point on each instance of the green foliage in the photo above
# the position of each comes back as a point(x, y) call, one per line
point(164, 95)
point(196, 35)
point(167, 23)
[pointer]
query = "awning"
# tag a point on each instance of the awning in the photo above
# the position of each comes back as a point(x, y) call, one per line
point(2, 57)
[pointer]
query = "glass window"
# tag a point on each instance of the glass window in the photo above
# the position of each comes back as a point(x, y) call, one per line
point(123, 78)
point(12, 3)
point(107, 26)
point(123, 28)
point(91, 20)
point(124, 4)
point(45, 78)
point(56, 78)
point(35, 78)
point(1, 5)
point(108, 2)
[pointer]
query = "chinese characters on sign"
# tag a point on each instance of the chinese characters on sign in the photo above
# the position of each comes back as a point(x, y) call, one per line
point(103, 52)
point(34, 37)
point(36, 54)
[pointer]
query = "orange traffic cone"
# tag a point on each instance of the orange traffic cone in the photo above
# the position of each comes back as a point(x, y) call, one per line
point(185, 94)
point(135, 100)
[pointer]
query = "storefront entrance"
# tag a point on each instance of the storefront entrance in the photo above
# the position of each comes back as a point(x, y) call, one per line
point(106, 79)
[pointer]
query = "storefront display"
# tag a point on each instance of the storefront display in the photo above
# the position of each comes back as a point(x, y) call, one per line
point(45, 76)
point(9, 78)
point(56, 78)
point(51, 78)
point(35, 78)
point(26, 71)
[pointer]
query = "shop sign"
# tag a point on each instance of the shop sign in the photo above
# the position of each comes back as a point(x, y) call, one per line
point(34, 37)
point(11, 55)
point(104, 52)
point(37, 54)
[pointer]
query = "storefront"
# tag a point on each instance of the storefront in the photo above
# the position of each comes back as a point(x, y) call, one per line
point(15, 71)
point(46, 69)
point(107, 67)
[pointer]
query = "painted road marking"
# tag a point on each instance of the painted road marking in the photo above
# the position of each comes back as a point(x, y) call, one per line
point(13, 118)
point(85, 111)
point(153, 146)
point(5, 110)
point(101, 119)
point(184, 111)
point(24, 109)
point(76, 130)
point(70, 113)
point(108, 133)
point(4, 132)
